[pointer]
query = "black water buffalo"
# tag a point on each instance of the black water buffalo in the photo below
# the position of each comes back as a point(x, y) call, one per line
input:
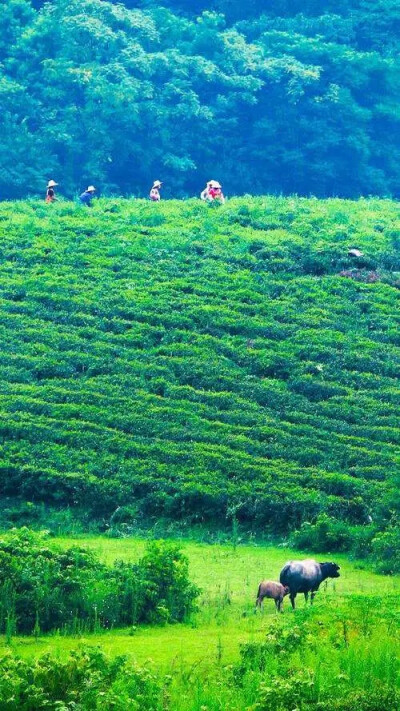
point(305, 576)
point(272, 590)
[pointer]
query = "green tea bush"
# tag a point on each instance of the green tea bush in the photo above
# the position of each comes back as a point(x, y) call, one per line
point(44, 588)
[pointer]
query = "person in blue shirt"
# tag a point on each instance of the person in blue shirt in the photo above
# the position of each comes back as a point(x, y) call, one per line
point(87, 197)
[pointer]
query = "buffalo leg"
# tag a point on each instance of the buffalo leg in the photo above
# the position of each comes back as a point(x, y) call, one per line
point(292, 598)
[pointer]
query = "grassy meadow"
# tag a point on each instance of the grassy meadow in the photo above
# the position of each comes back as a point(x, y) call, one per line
point(229, 580)
point(348, 638)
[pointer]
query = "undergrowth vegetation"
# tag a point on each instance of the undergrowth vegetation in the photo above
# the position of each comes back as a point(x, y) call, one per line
point(85, 680)
point(192, 364)
point(345, 658)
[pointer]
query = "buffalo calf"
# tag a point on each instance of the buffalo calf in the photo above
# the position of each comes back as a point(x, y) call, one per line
point(273, 591)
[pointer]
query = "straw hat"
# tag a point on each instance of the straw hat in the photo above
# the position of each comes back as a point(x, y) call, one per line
point(91, 189)
point(355, 253)
point(51, 184)
point(157, 184)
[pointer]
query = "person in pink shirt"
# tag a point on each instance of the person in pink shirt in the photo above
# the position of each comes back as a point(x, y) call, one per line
point(204, 193)
point(50, 192)
point(213, 192)
point(155, 191)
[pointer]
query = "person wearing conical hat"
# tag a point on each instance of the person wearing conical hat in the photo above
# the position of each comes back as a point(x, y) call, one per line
point(214, 192)
point(87, 196)
point(204, 193)
point(50, 192)
point(155, 191)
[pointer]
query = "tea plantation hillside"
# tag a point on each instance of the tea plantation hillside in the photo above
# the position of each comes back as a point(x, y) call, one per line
point(199, 364)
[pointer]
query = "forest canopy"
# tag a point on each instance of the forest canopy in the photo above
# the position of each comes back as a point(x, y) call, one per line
point(279, 97)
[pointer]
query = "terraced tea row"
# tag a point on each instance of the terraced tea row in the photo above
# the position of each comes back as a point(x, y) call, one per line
point(190, 362)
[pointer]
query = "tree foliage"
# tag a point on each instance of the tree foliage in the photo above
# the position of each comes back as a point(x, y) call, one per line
point(296, 99)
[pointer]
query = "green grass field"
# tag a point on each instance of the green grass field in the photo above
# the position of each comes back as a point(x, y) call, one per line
point(229, 579)
point(346, 642)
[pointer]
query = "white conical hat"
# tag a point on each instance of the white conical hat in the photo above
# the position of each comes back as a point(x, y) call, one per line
point(51, 184)
point(215, 184)
point(355, 253)
point(91, 189)
point(157, 184)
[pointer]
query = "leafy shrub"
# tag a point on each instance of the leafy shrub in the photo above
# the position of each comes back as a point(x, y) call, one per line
point(374, 698)
point(86, 679)
point(325, 535)
point(164, 592)
point(361, 543)
point(386, 550)
point(282, 639)
point(41, 585)
point(297, 690)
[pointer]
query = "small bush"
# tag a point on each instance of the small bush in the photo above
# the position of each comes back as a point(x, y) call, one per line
point(371, 699)
point(325, 535)
point(297, 690)
point(386, 551)
point(282, 639)
point(167, 594)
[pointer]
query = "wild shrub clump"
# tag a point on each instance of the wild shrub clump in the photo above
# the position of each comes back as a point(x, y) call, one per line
point(44, 588)
point(386, 551)
point(85, 679)
point(327, 534)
